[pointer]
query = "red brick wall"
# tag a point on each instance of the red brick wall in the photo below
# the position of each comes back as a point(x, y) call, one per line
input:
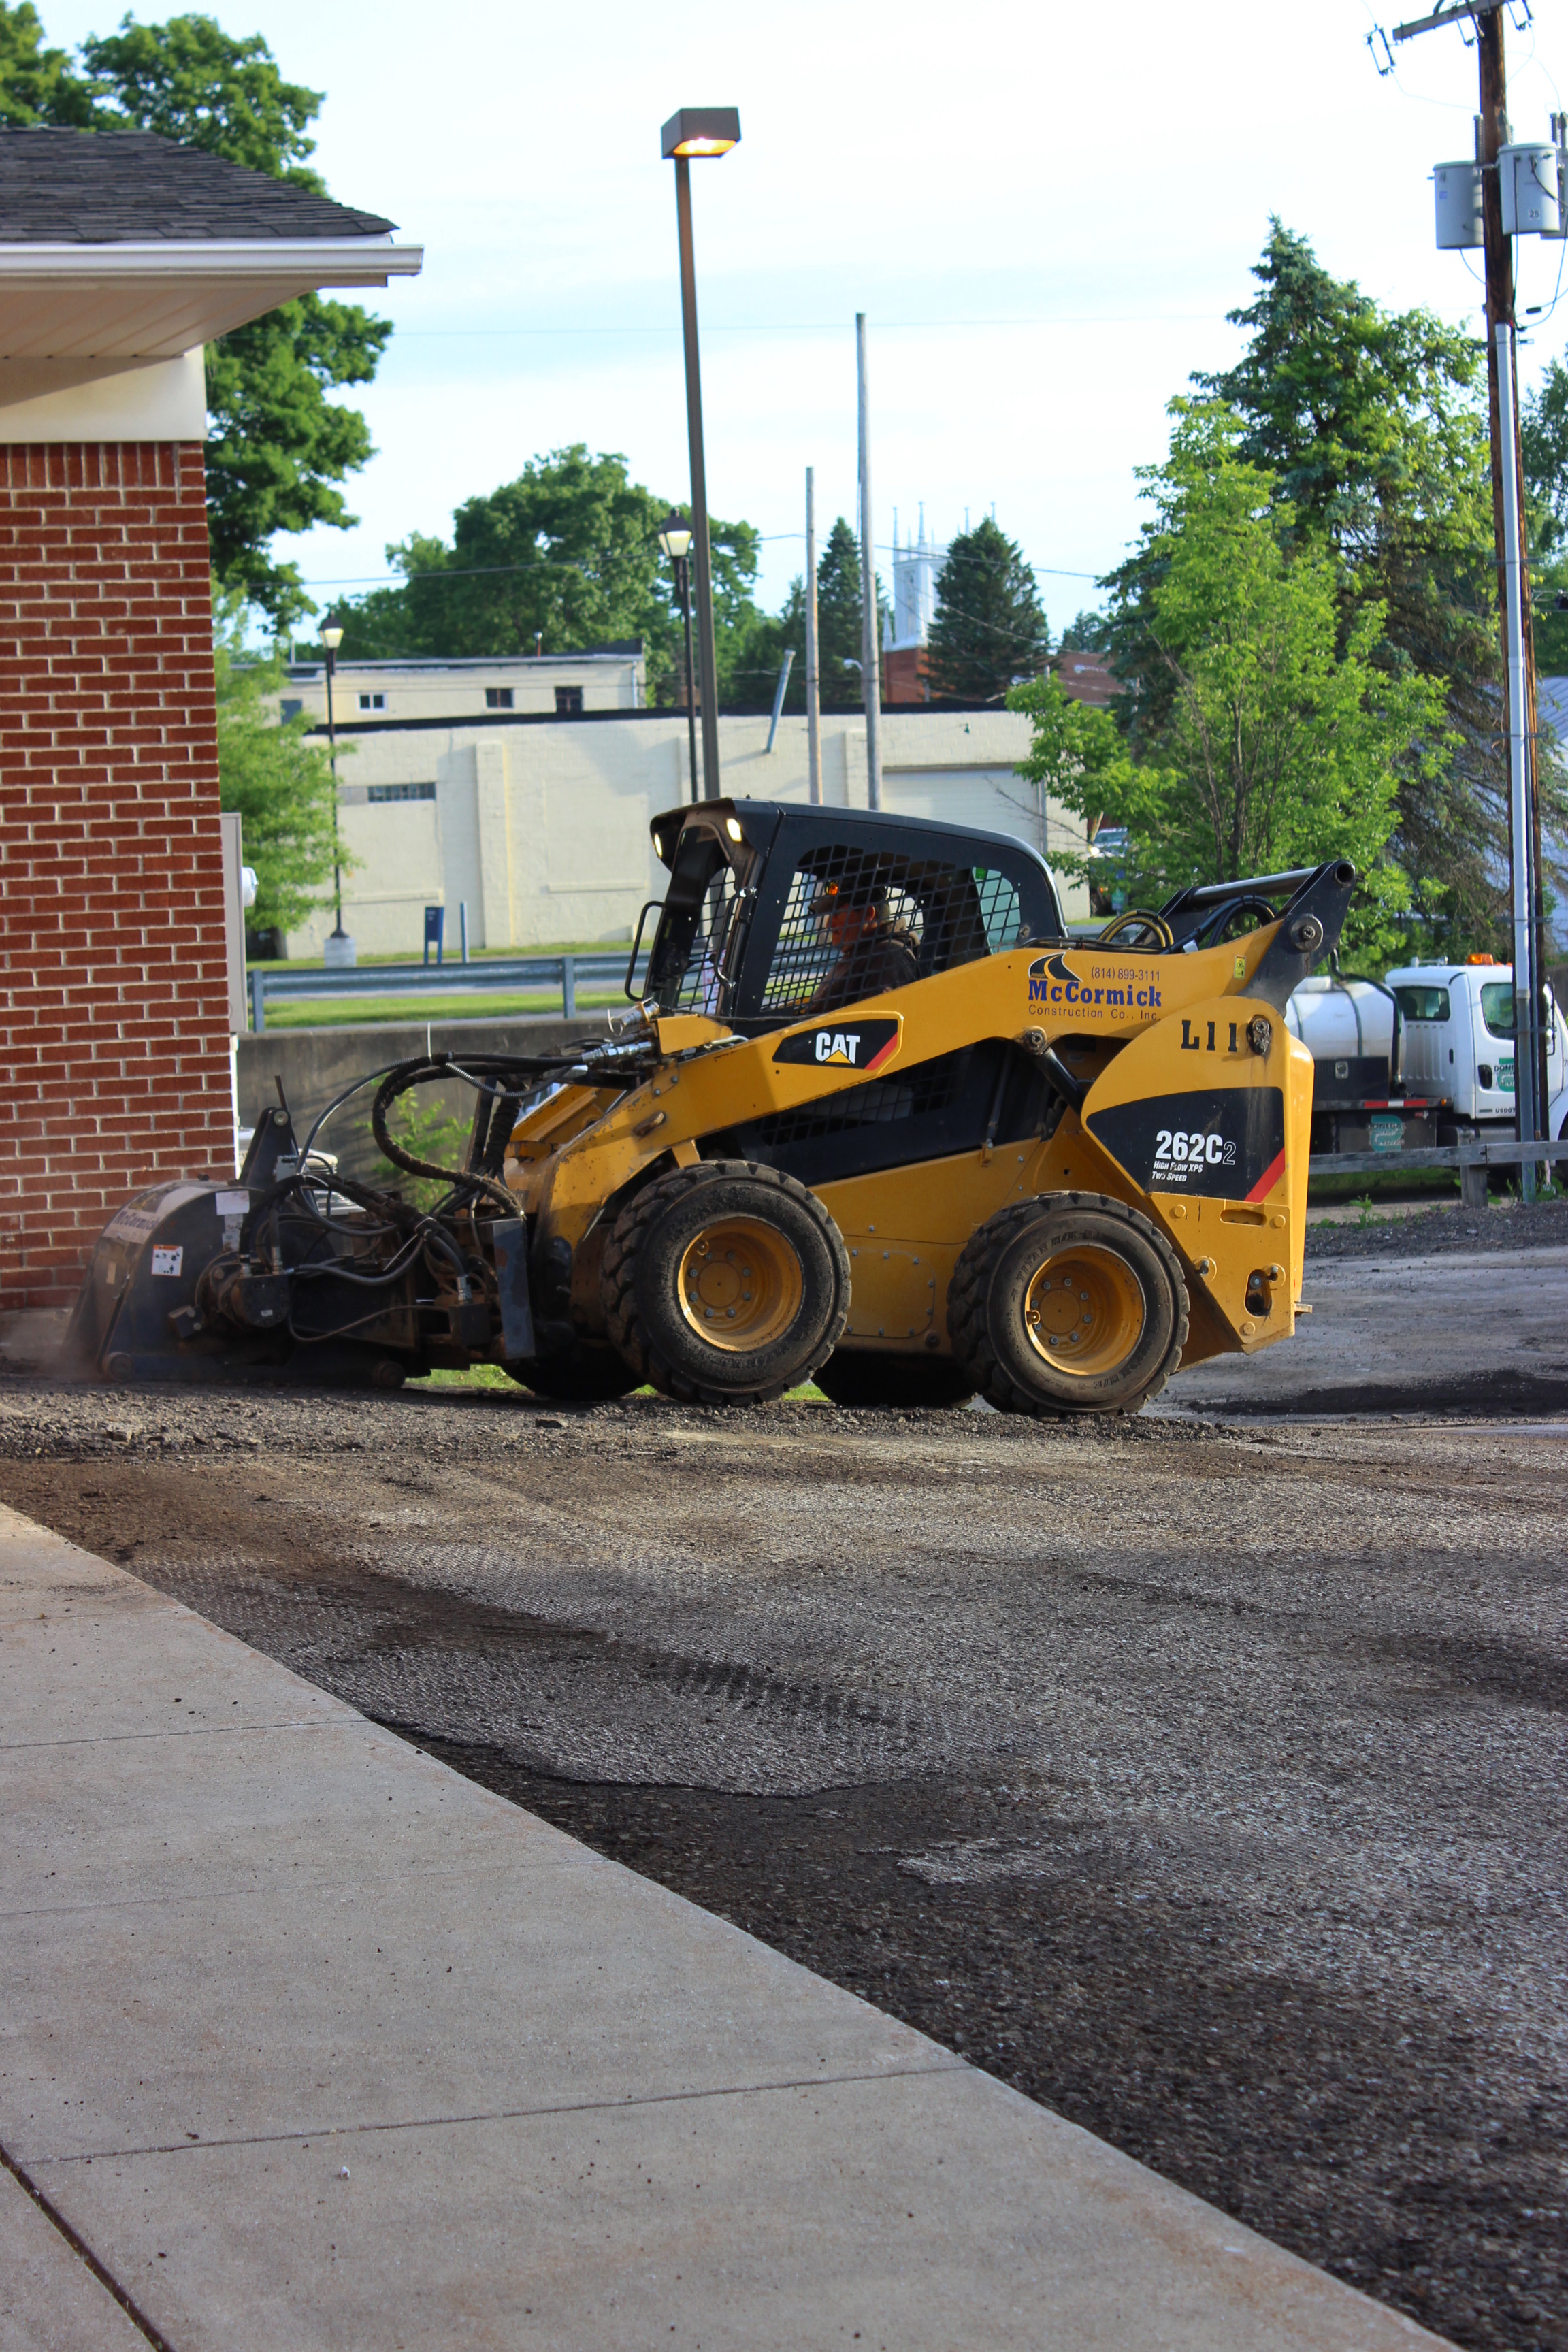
point(904, 676)
point(113, 1003)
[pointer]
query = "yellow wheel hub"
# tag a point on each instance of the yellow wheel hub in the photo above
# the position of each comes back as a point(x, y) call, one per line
point(741, 1284)
point(1084, 1312)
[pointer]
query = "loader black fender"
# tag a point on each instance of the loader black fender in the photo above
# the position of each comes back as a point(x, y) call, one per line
point(725, 1284)
point(1071, 1302)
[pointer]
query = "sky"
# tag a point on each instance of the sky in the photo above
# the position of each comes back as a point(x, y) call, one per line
point(1045, 213)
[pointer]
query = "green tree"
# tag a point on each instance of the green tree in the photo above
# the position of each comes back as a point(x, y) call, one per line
point(566, 556)
point(280, 784)
point(191, 81)
point(1372, 425)
point(277, 446)
point(1076, 758)
point(1544, 442)
point(38, 85)
point(990, 631)
point(1285, 737)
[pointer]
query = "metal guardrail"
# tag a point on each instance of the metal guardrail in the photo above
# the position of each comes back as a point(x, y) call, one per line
point(1471, 1159)
point(511, 976)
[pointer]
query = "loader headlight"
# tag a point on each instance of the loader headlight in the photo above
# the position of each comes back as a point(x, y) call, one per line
point(658, 844)
point(733, 829)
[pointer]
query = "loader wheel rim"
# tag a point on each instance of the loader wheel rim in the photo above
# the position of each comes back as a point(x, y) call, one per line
point(741, 1284)
point(1084, 1310)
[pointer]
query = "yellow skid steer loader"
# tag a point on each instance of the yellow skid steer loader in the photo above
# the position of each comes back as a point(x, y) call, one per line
point(878, 1120)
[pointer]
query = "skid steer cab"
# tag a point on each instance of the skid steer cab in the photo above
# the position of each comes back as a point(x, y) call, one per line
point(877, 1121)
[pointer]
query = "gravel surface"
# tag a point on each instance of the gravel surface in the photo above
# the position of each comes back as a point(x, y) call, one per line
point(1447, 1232)
point(1207, 1784)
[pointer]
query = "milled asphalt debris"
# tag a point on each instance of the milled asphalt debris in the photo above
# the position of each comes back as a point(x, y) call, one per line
point(1205, 1781)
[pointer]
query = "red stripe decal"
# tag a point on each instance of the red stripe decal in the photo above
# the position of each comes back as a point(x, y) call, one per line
point(1270, 1178)
point(888, 1050)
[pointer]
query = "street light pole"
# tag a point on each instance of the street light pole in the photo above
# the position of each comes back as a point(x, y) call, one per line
point(340, 947)
point(675, 538)
point(699, 130)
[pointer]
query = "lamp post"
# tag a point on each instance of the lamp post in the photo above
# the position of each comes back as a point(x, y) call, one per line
point(339, 949)
point(700, 131)
point(675, 538)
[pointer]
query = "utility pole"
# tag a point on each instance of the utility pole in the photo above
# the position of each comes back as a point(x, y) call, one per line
point(1521, 730)
point(1527, 1096)
point(871, 649)
point(813, 657)
point(1520, 726)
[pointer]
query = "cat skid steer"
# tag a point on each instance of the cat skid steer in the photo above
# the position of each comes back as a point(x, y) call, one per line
point(878, 1120)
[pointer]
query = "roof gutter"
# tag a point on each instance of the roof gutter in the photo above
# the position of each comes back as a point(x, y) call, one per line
point(318, 260)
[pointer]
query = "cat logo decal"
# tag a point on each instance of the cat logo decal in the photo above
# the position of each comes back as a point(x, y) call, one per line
point(842, 1043)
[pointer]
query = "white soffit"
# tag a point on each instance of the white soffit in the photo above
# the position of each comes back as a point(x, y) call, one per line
point(158, 299)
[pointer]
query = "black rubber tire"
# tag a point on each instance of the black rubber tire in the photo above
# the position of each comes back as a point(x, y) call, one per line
point(864, 1377)
point(984, 1307)
point(577, 1375)
point(641, 1267)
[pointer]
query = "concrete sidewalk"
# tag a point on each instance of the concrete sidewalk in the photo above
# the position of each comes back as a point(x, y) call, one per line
point(308, 2042)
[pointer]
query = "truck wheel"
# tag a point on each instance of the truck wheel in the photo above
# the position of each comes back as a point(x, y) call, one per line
point(862, 1376)
point(577, 1375)
point(726, 1284)
point(1070, 1305)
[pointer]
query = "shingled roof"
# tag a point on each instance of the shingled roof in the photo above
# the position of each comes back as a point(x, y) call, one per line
point(128, 187)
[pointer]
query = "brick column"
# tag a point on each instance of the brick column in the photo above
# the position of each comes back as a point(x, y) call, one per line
point(113, 1004)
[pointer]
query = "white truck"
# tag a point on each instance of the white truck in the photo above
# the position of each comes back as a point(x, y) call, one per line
point(1424, 1056)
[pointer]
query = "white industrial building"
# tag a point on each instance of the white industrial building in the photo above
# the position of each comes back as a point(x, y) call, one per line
point(564, 686)
point(540, 826)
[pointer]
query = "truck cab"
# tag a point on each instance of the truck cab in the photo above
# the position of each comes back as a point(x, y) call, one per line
point(1458, 1035)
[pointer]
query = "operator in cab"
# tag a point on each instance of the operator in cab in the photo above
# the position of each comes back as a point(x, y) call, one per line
point(871, 953)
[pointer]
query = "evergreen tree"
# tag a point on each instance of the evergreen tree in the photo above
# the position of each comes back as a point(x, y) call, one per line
point(762, 648)
point(989, 632)
point(839, 611)
point(1087, 633)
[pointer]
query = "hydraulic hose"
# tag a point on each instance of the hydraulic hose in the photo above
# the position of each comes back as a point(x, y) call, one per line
point(402, 1080)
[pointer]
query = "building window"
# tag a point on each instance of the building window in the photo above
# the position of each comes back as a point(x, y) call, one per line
point(373, 702)
point(288, 709)
point(401, 793)
point(569, 702)
point(498, 697)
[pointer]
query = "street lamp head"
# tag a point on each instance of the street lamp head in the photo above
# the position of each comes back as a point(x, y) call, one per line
point(331, 632)
point(702, 131)
point(675, 536)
